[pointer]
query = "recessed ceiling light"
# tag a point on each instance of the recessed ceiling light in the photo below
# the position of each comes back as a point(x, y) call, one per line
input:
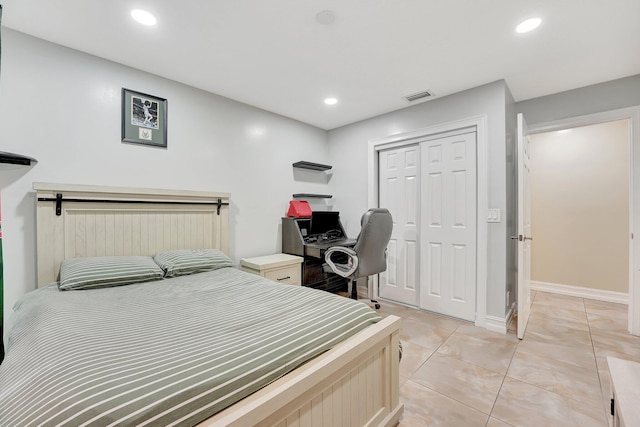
point(331, 101)
point(528, 25)
point(325, 17)
point(143, 17)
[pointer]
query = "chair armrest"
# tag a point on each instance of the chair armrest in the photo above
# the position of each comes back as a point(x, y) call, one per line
point(343, 270)
point(348, 251)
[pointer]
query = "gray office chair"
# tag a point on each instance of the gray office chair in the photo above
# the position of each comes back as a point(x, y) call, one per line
point(369, 255)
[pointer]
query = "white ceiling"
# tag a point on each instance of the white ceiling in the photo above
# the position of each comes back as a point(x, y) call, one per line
point(274, 55)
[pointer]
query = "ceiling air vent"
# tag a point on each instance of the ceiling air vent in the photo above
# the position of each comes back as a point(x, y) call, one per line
point(419, 95)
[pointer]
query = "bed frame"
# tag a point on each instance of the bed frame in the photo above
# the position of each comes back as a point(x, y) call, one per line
point(354, 384)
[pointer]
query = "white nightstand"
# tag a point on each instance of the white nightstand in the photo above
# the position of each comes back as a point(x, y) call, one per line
point(281, 268)
point(625, 393)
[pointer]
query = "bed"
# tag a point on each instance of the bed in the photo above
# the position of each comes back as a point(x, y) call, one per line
point(353, 382)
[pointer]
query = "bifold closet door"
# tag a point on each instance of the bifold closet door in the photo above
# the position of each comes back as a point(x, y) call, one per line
point(399, 191)
point(448, 226)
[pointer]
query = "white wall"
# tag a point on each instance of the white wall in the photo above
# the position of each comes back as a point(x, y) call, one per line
point(348, 153)
point(63, 107)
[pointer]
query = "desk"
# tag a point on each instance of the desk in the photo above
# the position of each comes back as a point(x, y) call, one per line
point(297, 241)
point(317, 250)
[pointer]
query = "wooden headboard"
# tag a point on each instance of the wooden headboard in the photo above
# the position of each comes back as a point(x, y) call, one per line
point(82, 220)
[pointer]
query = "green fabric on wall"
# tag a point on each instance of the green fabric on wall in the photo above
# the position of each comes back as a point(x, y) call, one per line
point(1, 300)
point(1, 285)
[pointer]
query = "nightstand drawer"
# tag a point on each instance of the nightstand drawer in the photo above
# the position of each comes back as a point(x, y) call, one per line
point(289, 275)
point(282, 268)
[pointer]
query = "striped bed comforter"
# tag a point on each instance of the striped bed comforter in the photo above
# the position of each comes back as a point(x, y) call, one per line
point(169, 352)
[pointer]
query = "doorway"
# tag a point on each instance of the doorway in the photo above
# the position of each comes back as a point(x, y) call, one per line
point(580, 210)
point(633, 115)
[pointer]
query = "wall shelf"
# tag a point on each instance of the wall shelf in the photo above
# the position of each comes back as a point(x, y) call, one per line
point(311, 196)
point(16, 159)
point(311, 166)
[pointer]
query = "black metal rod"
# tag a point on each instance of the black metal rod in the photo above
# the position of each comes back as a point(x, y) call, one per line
point(59, 199)
point(157, 202)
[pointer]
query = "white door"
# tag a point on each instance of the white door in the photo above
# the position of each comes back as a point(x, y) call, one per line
point(524, 228)
point(448, 226)
point(399, 172)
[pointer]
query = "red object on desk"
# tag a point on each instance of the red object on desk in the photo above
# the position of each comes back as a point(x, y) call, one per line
point(299, 209)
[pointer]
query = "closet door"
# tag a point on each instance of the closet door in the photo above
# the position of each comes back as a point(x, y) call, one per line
point(399, 191)
point(448, 226)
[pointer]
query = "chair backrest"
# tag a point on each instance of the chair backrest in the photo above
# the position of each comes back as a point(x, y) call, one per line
point(372, 242)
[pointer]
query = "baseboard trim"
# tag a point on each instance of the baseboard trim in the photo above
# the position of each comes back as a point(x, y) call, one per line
point(496, 324)
point(581, 292)
point(500, 324)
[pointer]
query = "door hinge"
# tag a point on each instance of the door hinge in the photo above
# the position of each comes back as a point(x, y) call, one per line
point(613, 405)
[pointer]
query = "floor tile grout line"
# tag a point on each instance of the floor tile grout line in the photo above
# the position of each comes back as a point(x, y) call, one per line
point(594, 358)
point(467, 361)
point(471, 363)
point(542, 388)
point(553, 392)
point(593, 348)
point(450, 333)
point(503, 378)
point(561, 396)
point(453, 398)
point(432, 352)
point(436, 391)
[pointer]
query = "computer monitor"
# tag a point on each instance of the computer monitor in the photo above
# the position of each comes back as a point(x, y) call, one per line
point(323, 221)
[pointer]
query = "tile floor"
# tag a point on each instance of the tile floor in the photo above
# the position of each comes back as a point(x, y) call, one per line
point(455, 374)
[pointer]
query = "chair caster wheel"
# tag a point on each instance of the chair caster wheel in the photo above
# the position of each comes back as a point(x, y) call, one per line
point(377, 306)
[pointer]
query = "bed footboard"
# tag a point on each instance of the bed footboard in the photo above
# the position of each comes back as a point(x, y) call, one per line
point(354, 384)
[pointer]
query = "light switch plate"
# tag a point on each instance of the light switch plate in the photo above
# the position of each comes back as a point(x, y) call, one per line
point(493, 215)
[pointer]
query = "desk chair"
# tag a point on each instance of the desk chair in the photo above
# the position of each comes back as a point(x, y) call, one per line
point(369, 255)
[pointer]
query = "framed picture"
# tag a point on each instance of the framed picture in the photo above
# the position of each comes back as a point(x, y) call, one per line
point(144, 118)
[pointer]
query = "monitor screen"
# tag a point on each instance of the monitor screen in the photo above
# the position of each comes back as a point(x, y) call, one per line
point(324, 221)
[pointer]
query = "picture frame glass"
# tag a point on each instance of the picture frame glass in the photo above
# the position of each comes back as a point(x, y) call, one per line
point(144, 119)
